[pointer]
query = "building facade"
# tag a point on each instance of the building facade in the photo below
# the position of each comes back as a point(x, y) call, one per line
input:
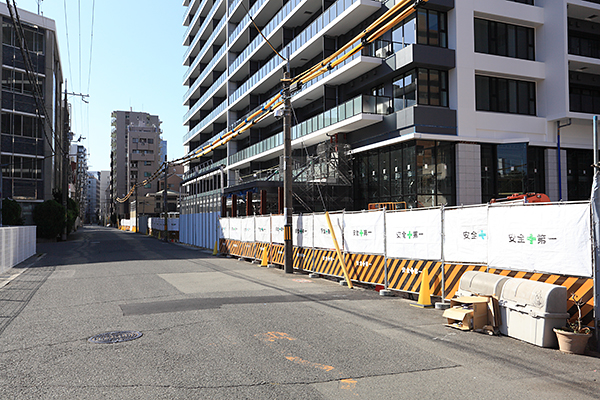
point(461, 102)
point(78, 187)
point(135, 152)
point(32, 134)
point(92, 213)
point(104, 196)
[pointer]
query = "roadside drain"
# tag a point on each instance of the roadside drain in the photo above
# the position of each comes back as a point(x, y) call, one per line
point(115, 337)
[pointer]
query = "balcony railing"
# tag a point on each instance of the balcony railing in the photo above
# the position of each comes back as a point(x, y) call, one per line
point(311, 31)
point(202, 168)
point(359, 105)
point(195, 19)
point(211, 90)
point(245, 21)
point(267, 30)
point(208, 19)
point(205, 71)
point(218, 110)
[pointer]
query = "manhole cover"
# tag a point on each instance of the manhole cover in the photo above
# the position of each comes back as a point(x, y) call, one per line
point(115, 337)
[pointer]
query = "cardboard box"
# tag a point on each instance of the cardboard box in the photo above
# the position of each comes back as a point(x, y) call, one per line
point(470, 312)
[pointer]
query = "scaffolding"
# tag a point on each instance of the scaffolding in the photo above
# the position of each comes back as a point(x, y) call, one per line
point(323, 180)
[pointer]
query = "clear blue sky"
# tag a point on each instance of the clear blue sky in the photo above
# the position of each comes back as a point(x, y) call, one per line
point(136, 62)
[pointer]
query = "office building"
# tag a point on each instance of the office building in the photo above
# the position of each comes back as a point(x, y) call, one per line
point(461, 102)
point(32, 137)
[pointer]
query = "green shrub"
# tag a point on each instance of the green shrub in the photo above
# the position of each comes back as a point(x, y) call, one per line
point(11, 213)
point(49, 217)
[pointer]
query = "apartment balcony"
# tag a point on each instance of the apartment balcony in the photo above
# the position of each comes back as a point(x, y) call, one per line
point(334, 21)
point(217, 115)
point(204, 76)
point(199, 9)
point(217, 89)
point(354, 114)
point(205, 31)
point(192, 10)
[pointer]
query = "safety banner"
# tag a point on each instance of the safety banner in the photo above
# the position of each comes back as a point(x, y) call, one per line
point(364, 232)
point(302, 226)
point(277, 229)
point(235, 228)
point(277, 254)
point(248, 229)
point(554, 239)
point(367, 268)
point(414, 234)
point(406, 275)
point(262, 226)
point(224, 228)
point(302, 258)
point(466, 235)
point(322, 234)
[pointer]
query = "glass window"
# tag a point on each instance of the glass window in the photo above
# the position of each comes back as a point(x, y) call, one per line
point(410, 89)
point(6, 122)
point(506, 40)
point(504, 95)
point(7, 79)
point(17, 125)
point(396, 172)
point(425, 167)
point(423, 86)
point(512, 168)
point(28, 126)
point(7, 33)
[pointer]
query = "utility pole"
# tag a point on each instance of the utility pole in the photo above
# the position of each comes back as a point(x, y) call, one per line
point(165, 203)
point(137, 208)
point(287, 168)
point(65, 148)
point(1, 166)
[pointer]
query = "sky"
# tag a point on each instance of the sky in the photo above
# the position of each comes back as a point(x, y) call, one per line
point(136, 52)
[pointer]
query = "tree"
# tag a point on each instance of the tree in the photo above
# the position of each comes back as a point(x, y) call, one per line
point(72, 209)
point(11, 212)
point(49, 217)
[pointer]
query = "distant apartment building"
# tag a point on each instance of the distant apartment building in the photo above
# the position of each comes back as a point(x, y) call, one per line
point(460, 102)
point(135, 156)
point(92, 212)
point(79, 178)
point(31, 146)
point(104, 177)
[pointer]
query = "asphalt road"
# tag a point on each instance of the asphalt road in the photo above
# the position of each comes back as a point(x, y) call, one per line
point(219, 328)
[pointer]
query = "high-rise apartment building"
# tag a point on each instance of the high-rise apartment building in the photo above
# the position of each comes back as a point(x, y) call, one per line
point(92, 212)
point(135, 149)
point(460, 102)
point(104, 177)
point(31, 136)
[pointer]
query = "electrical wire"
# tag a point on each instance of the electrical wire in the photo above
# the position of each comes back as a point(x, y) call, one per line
point(39, 98)
point(261, 34)
point(383, 24)
point(68, 47)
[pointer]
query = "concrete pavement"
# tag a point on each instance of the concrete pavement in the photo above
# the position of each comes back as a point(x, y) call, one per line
point(218, 328)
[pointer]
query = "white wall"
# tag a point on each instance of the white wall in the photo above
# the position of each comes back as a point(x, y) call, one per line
point(16, 245)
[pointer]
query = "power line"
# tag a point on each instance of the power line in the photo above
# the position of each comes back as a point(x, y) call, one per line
point(91, 45)
point(374, 31)
point(68, 47)
point(39, 98)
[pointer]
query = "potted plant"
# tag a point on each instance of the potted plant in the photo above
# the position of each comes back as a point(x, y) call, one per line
point(573, 338)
